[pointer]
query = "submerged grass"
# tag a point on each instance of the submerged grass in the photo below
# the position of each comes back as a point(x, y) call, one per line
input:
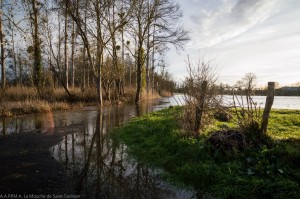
point(19, 100)
point(268, 171)
point(10, 109)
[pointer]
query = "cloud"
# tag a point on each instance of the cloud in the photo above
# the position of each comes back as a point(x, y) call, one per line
point(229, 19)
point(259, 36)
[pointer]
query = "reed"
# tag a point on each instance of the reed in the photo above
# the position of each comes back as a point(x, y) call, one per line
point(20, 100)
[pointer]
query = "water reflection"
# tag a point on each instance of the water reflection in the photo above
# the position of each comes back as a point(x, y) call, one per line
point(100, 166)
point(37, 123)
point(3, 129)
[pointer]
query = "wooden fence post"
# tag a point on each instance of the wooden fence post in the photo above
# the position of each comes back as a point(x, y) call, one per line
point(200, 106)
point(268, 107)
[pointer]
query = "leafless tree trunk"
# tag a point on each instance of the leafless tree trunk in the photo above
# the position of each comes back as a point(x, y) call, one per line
point(59, 41)
point(85, 69)
point(66, 46)
point(37, 54)
point(3, 76)
point(20, 69)
point(148, 52)
point(165, 14)
point(72, 56)
point(99, 52)
point(12, 33)
point(153, 59)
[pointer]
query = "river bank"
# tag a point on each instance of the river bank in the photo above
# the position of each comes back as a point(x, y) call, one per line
point(270, 170)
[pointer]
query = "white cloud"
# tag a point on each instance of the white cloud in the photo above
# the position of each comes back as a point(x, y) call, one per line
point(230, 19)
point(259, 36)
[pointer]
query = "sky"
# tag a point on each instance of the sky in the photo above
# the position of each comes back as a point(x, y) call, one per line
point(242, 36)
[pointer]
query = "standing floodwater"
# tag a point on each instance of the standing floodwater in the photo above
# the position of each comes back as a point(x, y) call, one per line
point(98, 163)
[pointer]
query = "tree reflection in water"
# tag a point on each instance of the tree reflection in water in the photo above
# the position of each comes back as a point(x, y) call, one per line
point(99, 165)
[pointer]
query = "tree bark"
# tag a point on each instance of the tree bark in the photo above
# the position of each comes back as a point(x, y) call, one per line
point(99, 53)
point(139, 74)
point(66, 46)
point(3, 75)
point(37, 73)
point(72, 56)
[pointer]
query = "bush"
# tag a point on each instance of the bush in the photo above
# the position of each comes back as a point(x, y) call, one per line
point(201, 101)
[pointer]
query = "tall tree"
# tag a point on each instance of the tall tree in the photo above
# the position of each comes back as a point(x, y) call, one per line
point(33, 9)
point(99, 32)
point(165, 15)
point(54, 51)
point(73, 54)
point(37, 55)
point(66, 46)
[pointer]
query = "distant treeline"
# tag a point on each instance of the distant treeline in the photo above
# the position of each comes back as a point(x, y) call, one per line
point(262, 92)
point(284, 91)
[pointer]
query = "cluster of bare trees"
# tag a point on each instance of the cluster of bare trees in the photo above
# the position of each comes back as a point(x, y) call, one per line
point(109, 44)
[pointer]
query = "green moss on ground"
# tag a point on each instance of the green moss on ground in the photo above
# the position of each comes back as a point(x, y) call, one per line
point(268, 171)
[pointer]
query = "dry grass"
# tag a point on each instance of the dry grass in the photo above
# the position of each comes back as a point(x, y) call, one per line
point(151, 96)
point(165, 93)
point(9, 109)
point(19, 94)
point(130, 95)
point(88, 95)
point(15, 101)
point(48, 94)
point(59, 94)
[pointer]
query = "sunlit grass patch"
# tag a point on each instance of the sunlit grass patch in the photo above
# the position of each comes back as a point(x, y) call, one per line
point(268, 170)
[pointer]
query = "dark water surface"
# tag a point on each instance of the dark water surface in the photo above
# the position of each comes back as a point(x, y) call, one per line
point(98, 164)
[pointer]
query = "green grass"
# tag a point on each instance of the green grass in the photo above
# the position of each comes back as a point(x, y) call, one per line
point(269, 171)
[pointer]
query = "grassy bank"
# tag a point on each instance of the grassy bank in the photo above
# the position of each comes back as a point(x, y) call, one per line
point(270, 170)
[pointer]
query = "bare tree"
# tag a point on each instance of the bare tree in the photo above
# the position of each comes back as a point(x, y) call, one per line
point(33, 9)
point(165, 14)
point(101, 31)
point(246, 109)
point(54, 54)
point(200, 94)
